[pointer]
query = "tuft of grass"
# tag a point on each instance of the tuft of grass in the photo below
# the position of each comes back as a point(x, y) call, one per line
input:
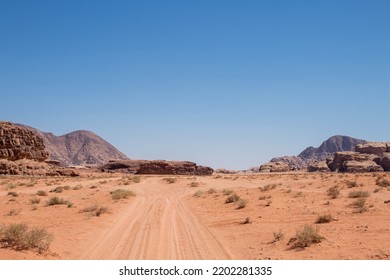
point(211, 191)
point(268, 187)
point(383, 182)
point(121, 193)
point(333, 192)
point(232, 198)
point(351, 184)
point(170, 180)
point(305, 237)
point(198, 193)
point(247, 220)
point(95, 210)
point(13, 194)
point(35, 200)
point(55, 200)
point(323, 219)
point(357, 194)
point(227, 192)
point(194, 184)
point(241, 203)
point(278, 235)
point(359, 205)
point(19, 237)
point(13, 212)
point(41, 193)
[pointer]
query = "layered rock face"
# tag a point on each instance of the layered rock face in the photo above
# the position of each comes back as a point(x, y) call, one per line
point(369, 157)
point(161, 167)
point(23, 153)
point(17, 143)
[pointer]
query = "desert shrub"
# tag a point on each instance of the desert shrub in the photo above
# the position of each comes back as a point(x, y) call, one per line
point(41, 193)
point(13, 212)
point(198, 193)
point(305, 237)
point(11, 186)
point(360, 205)
point(13, 194)
point(241, 203)
point(96, 210)
point(35, 200)
point(194, 184)
point(136, 179)
point(278, 235)
point(227, 192)
point(19, 237)
point(298, 194)
point(55, 200)
point(247, 220)
point(268, 187)
point(211, 191)
point(351, 184)
point(333, 192)
point(264, 197)
point(57, 190)
point(383, 183)
point(76, 188)
point(232, 198)
point(170, 180)
point(357, 194)
point(121, 193)
point(323, 219)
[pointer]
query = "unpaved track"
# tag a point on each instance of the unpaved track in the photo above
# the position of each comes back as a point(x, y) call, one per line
point(157, 224)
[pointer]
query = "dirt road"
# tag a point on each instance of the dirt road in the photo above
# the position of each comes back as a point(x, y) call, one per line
point(157, 224)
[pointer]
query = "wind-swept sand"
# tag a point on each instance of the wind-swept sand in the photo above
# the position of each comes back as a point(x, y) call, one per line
point(189, 219)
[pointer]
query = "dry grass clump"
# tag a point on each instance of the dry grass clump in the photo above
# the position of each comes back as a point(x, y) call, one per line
point(194, 184)
point(305, 237)
point(95, 210)
point(19, 237)
point(323, 219)
point(13, 212)
point(55, 200)
point(383, 182)
point(41, 193)
point(13, 194)
point(247, 220)
point(241, 203)
point(121, 193)
point(232, 198)
point(359, 205)
point(170, 180)
point(278, 235)
point(198, 193)
point(35, 200)
point(227, 192)
point(211, 191)
point(351, 184)
point(357, 194)
point(60, 189)
point(268, 187)
point(333, 192)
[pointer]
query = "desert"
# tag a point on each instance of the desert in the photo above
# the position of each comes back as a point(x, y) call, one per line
point(189, 217)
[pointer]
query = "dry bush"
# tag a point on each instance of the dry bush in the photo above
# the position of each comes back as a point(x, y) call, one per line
point(198, 193)
point(351, 184)
point(13, 212)
point(121, 193)
point(333, 192)
point(19, 237)
point(232, 198)
point(357, 194)
point(383, 182)
point(305, 237)
point(41, 193)
point(35, 200)
point(359, 205)
point(194, 184)
point(55, 200)
point(268, 187)
point(211, 191)
point(241, 203)
point(247, 220)
point(170, 180)
point(13, 194)
point(323, 219)
point(264, 197)
point(227, 192)
point(95, 210)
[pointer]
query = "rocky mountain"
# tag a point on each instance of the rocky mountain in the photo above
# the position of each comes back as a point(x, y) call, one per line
point(310, 155)
point(77, 148)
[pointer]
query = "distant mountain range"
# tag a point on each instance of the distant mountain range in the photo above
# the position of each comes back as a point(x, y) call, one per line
point(78, 148)
point(337, 143)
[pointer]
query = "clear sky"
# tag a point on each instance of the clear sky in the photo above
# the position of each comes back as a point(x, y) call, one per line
point(223, 83)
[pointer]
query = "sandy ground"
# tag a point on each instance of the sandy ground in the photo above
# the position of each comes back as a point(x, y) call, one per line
point(189, 219)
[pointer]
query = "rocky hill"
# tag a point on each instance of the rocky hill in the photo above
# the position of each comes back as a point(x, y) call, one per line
point(78, 147)
point(310, 155)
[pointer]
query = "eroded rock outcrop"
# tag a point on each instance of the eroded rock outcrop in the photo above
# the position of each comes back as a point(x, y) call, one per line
point(160, 167)
point(319, 166)
point(17, 143)
point(274, 167)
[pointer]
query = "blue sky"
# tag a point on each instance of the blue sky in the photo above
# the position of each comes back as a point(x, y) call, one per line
point(223, 83)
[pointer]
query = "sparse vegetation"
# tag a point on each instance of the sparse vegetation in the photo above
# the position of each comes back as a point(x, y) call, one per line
point(305, 237)
point(241, 203)
point(383, 182)
point(357, 194)
point(55, 200)
point(198, 193)
point(170, 180)
point(227, 192)
point(211, 191)
point(35, 200)
point(13, 194)
point(232, 198)
point(41, 193)
point(194, 184)
point(121, 193)
point(351, 184)
point(333, 192)
point(268, 187)
point(360, 205)
point(19, 237)
point(247, 220)
point(278, 235)
point(323, 219)
point(95, 210)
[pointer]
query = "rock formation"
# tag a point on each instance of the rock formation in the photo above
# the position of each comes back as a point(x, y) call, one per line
point(156, 167)
point(275, 167)
point(78, 148)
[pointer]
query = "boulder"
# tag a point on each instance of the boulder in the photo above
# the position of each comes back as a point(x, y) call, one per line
point(385, 161)
point(274, 167)
point(353, 166)
point(340, 158)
